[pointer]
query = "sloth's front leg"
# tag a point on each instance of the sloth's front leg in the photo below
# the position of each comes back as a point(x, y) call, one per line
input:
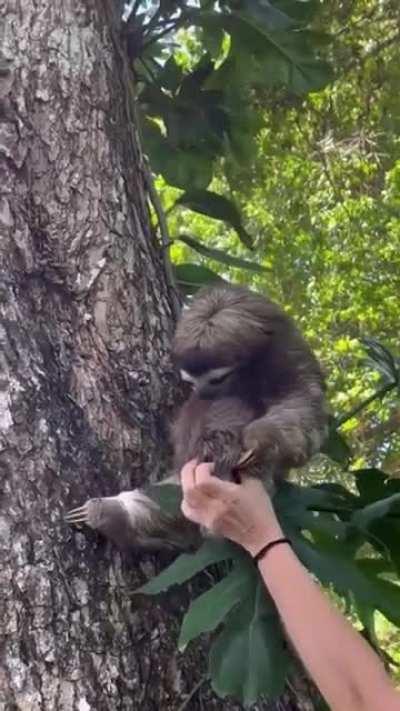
point(224, 448)
point(133, 520)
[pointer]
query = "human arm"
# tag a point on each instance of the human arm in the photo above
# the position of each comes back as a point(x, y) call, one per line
point(347, 672)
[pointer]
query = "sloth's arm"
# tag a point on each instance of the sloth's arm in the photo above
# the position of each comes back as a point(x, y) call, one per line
point(291, 431)
point(133, 520)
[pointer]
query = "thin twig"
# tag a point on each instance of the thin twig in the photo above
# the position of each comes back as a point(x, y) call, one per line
point(154, 38)
point(149, 71)
point(153, 22)
point(375, 396)
point(164, 234)
point(192, 693)
point(133, 117)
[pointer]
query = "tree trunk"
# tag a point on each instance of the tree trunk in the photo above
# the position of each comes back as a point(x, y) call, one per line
point(86, 386)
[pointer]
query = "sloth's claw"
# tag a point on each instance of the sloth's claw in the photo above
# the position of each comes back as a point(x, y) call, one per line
point(79, 515)
point(246, 459)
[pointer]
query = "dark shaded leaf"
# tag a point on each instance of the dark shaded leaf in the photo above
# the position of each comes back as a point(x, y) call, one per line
point(179, 167)
point(220, 256)
point(171, 74)
point(332, 566)
point(268, 57)
point(218, 207)
point(187, 565)
point(335, 446)
point(249, 658)
point(212, 37)
point(301, 10)
point(210, 609)
point(263, 13)
point(374, 484)
point(292, 501)
point(382, 360)
point(365, 517)
point(193, 82)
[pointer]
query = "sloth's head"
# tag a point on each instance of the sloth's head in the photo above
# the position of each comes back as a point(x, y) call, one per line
point(220, 337)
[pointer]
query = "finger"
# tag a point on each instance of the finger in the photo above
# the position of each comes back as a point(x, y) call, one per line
point(188, 476)
point(189, 512)
point(196, 507)
point(215, 488)
point(203, 472)
point(196, 498)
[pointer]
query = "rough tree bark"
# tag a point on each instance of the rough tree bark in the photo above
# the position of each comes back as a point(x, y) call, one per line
point(86, 386)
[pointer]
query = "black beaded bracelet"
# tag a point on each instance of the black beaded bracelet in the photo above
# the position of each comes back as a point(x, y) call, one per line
point(268, 546)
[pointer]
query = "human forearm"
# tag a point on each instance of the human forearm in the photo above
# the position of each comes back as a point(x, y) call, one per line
point(347, 672)
point(345, 669)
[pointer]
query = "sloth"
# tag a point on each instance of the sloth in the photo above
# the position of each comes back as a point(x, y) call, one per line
point(257, 408)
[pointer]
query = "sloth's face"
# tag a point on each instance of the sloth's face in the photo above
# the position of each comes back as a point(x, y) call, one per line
point(211, 383)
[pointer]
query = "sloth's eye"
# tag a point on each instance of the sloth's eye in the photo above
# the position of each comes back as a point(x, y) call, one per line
point(219, 379)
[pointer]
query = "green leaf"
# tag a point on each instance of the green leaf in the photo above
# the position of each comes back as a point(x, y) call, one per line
point(264, 13)
point(171, 74)
point(366, 615)
point(367, 516)
point(213, 37)
point(187, 565)
point(385, 593)
point(167, 496)
point(218, 207)
point(210, 608)
point(249, 659)
point(289, 59)
point(335, 446)
point(181, 168)
point(292, 501)
point(192, 82)
point(374, 484)
point(270, 57)
point(302, 11)
point(191, 277)
point(382, 360)
point(332, 566)
point(220, 256)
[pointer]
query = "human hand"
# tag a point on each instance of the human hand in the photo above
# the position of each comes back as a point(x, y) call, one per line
point(241, 512)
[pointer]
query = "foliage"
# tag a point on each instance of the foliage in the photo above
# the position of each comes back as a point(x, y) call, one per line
point(200, 107)
point(273, 176)
point(349, 541)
